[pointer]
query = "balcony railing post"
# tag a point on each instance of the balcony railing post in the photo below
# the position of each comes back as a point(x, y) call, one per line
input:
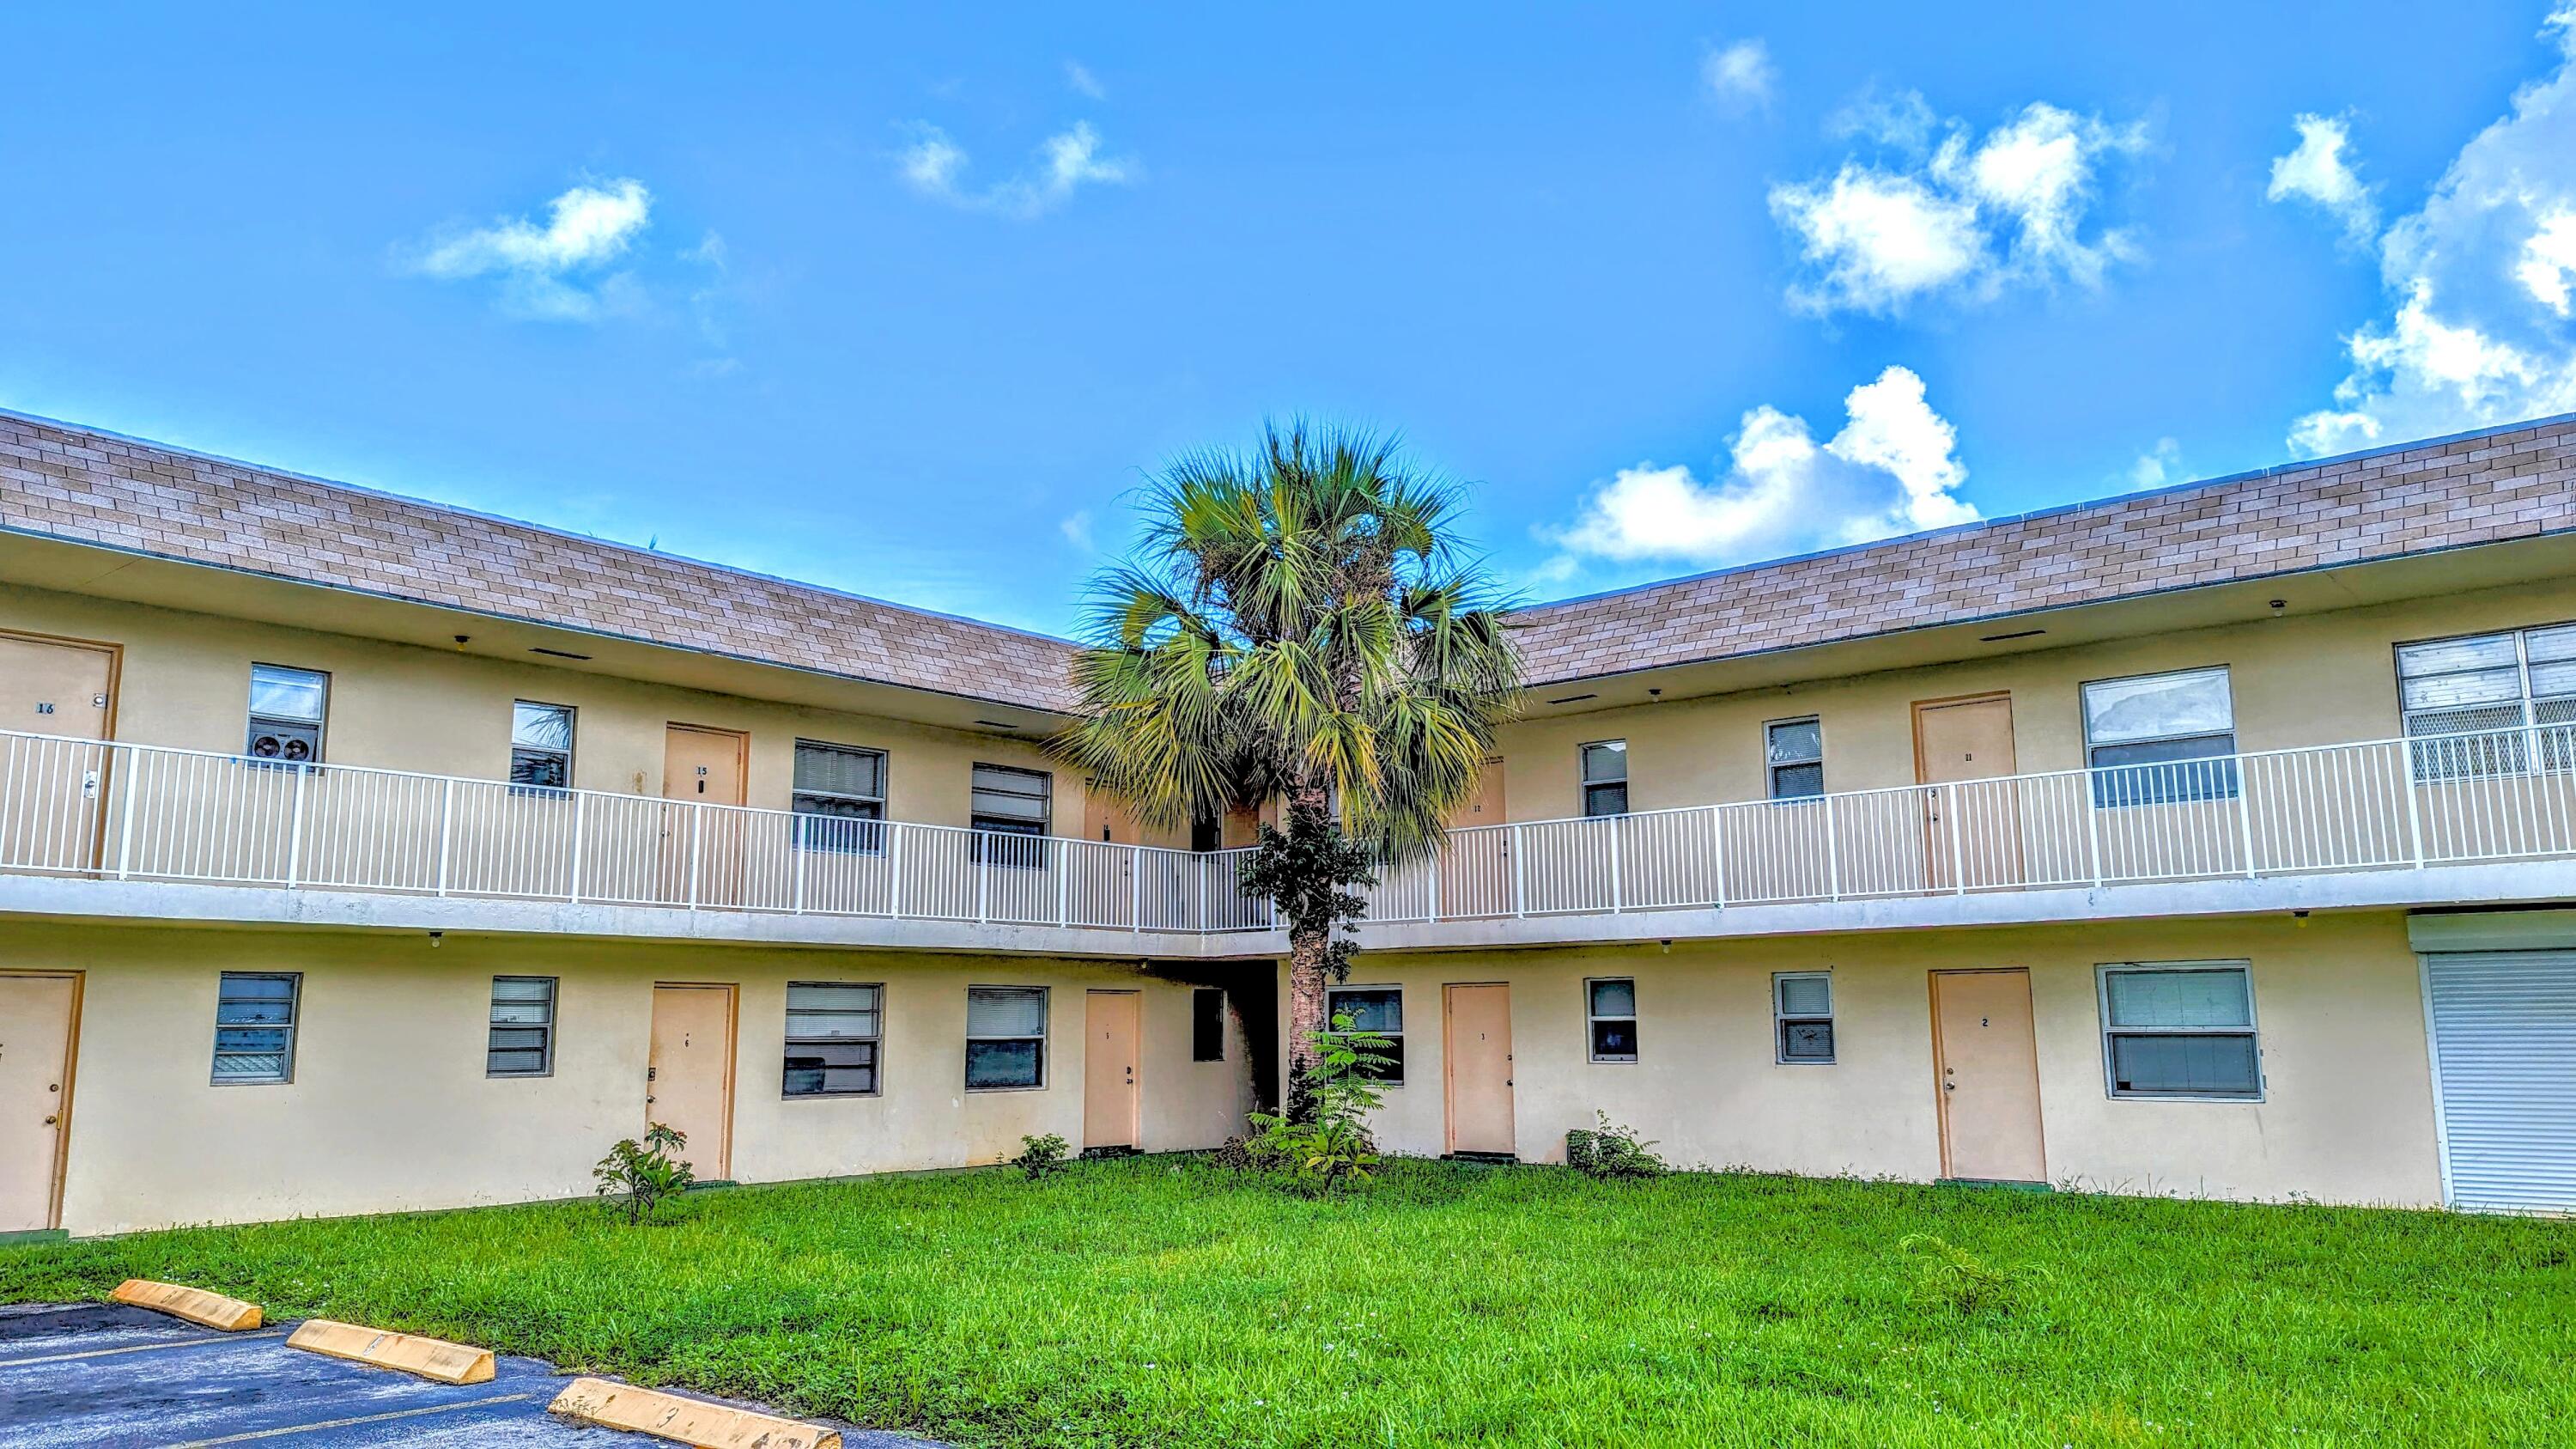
point(2244, 811)
point(1833, 855)
point(132, 775)
point(1520, 872)
point(1135, 888)
point(2414, 812)
point(895, 832)
point(1063, 882)
point(2093, 823)
point(796, 850)
point(1958, 857)
point(697, 849)
point(1616, 836)
point(1717, 854)
point(572, 890)
point(1201, 921)
point(1433, 866)
point(983, 852)
point(446, 830)
point(295, 831)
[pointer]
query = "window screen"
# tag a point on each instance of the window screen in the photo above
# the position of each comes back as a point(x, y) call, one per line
point(541, 745)
point(1793, 757)
point(840, 790)
point(521, 1040)
point(833, 1033)
point(2159, 738)
point(2180, 1031)
point(1005, 1037)
point(1377, 1009)
point(1610, 1008)
point(255, 1014)
point(2492, 703)
point(1802, 1009)
point(1605, 778)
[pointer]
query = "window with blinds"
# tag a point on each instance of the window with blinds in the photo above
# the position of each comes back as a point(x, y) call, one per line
point(833, 1032)
point(1009, 801)
point(2490, 704)
point(521, 1041)
point(255, 1013)
point(2155, 739)
point(840, 796)
point(1005, 1038)
point(2183, 1030)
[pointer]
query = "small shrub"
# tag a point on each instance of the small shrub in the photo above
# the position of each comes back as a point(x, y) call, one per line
point(1612, 1152)
point(1948, 1278)
point(1040, 1156)
point(1234, 1154)
point(1332, 1150)
point(637, 1177)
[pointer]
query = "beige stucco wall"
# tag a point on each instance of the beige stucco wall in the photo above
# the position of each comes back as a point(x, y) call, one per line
point(2302, 679)
point(186, 683)
point(2347, 1114)
point(390, 1108)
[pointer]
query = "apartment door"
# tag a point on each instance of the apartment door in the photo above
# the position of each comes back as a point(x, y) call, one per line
point(1112, 1103)
point(1476, 1053)
point(1987, 1061)
point(1476, 868)
point(688, 1082)
point(37, 1013)
point(703, 850)
point(51, 817)
point(1968, 834)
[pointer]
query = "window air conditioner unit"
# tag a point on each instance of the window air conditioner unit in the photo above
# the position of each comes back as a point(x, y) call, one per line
point(293, 743)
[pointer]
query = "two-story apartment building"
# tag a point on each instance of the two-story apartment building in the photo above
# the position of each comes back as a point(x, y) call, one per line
point(358, 853)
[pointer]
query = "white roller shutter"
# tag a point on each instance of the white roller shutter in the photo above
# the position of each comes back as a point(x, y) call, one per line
point(2504, 1062)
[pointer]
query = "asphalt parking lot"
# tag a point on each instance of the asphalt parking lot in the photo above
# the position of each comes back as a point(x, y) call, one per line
point(105, 1374)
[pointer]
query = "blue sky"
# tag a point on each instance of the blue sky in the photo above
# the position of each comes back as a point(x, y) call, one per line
point(909, 302)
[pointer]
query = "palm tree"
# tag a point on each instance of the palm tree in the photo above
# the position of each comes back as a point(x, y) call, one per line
point(1300, 623)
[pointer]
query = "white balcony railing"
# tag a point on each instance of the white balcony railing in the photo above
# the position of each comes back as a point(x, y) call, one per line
point(141, 812)
point(84, 808)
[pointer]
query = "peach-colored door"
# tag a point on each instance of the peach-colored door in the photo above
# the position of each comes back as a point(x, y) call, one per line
point(1112, 1101)
point(689, 1079)
point(1987, 1063)
point(1476, 867)
point(50, 817)
point(36, 1017)
point(1476, 1050)
point(1968, 833)
point(702, 850)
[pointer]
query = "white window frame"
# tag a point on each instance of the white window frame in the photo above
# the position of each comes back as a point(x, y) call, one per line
point(1007, 844)
point(860, 841)
point(2201, 777)
point(1584, 784)
point(572, 732)
point(320, 724)
point(293, 1026)
point(2253, 1028)
point(1782, 1019)
point(1331, 993)
point(2499, 752)
point(1771, 768)
point(877, 1065)
point(554, 996)
point(1591, 1041)
point(1046, 1020)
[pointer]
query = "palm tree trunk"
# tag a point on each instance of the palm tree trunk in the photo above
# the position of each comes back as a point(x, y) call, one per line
point(1307, 940)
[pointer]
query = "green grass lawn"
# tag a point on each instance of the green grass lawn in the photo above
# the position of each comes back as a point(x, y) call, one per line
point(1154, 1301)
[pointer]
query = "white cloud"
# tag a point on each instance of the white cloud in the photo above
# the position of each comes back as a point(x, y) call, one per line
point(1740, 75)
point(2315, 171)
point(1962, 219)
point(2157, 466)
point(2479, 278)
point(1079, 77)
point(1892, 469)
point(1067, 161)
point(553, 271)
point(1077, 531)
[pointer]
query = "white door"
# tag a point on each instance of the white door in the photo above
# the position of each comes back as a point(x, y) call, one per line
point(2504, 1076)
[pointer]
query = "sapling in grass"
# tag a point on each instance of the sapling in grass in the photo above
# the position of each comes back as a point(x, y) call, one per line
point(637, 1177)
